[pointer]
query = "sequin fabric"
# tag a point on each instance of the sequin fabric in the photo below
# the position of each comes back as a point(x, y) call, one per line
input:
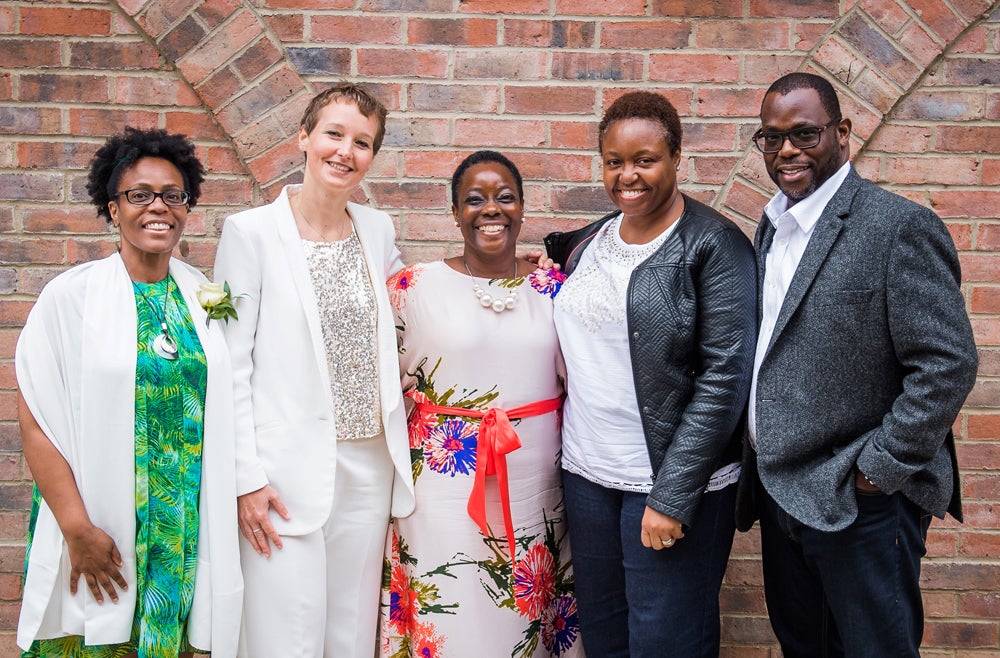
point(597, 290)
point(348, 314)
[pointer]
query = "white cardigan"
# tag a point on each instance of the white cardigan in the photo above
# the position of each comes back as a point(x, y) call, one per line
point(285, 420)
point(75, 362)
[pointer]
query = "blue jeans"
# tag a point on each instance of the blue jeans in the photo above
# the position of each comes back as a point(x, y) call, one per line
point(634, 601)
point(852, 593)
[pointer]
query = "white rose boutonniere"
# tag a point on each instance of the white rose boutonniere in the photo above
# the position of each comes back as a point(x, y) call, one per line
point(218, 301)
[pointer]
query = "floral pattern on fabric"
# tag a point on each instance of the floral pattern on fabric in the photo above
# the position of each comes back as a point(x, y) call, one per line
point(169, 416)
point(449, 590)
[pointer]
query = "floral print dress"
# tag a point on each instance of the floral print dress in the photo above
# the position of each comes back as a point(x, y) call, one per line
point(448, 589)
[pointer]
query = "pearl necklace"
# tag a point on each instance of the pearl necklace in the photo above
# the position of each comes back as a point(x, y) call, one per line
point(486, 300)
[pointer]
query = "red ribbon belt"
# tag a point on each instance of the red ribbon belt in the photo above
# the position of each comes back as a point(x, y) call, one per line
point(496, 439)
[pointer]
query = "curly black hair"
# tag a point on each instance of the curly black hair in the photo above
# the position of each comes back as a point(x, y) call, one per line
point(479, 157)
point(644, 105)
point(122, 151)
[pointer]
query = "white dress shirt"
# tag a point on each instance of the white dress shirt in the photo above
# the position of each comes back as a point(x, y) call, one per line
point(793, 228)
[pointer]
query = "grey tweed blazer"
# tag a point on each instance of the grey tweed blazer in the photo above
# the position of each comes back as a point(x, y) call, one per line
point(871, 359)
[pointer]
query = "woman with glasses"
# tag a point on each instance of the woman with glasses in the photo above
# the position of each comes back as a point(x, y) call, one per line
point(126, 415)
point(656, 324)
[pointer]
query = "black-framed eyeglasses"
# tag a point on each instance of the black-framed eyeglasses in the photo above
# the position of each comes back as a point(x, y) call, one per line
point(801, 138)
point(142, 197)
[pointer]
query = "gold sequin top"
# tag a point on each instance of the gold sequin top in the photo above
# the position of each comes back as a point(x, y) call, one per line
point(349, 316)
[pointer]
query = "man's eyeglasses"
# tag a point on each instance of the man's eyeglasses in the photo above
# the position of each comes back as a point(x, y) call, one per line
point(141, 197)
point(801, 138)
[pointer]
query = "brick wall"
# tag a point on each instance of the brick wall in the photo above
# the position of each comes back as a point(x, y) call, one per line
point(919, 78)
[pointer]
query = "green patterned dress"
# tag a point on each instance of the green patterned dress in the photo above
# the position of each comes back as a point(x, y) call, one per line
point(169, 406)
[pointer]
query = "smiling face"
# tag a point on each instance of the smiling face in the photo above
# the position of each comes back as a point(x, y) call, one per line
point(800, 172)
point(489, 214)
point(640, 172)
point(148, 233)
point(340, 149)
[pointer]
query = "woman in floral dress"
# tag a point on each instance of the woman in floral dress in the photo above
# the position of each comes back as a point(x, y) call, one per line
point(482, 566)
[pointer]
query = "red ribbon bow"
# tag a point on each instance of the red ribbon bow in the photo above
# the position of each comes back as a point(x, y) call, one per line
point(496, 440)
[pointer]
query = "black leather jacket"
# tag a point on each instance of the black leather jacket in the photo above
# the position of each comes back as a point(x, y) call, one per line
point(692, 335)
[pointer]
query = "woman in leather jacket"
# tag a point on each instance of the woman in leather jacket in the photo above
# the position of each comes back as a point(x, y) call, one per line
point(657, 327)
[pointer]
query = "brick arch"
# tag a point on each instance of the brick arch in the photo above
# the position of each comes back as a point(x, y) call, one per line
point(241, 72)
point(879, 57)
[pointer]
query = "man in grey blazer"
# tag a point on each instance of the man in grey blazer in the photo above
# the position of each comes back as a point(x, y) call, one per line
point(864, 358)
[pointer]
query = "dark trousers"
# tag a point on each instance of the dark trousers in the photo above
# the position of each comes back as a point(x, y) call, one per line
point(635, 602)
point(852, 593)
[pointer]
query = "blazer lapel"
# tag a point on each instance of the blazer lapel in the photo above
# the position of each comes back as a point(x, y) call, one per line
point(298, 270)
point(762, 240)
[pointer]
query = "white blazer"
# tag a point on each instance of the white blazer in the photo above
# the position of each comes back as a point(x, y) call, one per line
point(285, 420)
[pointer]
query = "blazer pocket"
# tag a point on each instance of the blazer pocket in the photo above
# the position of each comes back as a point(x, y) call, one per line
point(842, 297)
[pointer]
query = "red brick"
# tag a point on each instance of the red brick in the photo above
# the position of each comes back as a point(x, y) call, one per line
point(744, 200)
point(972, 42)
point(701, 9)
point(980, 203)
point(939, 17)
point(13, 313)
point(693, 67)
point(287, 27)
point(277, 88)
point(942, 543)
point(985, 605)
point(55, 88)
point(986, 300)
point(356, 29)
point(427, 227)
point(515, 7)
point(160, 15)
point(220, 47)
point(452, 31)
point(539, 100)
point(902, 139)
point(6, 85)
point(883, 53)
point(549, 34)
point(7, 20)
point(256, 59)
point(805, 36)
point(31, 280)
point(910, 170)
point(29, 120)
point(940, 106)
point(968, 139)
point(991, 172)
point(136, 90)
point(402, 61)
point(742, 600)
point(702, 137)
point(30, 187)
point(216, 12)
point(63, 21)
point(82, 219)
point(227, 192)
point(712, 101)
point(220, 87)
point(574, 134)
point(960, 634)
point(961, 234)
point(420, 196)
point(646, 35)
point(451, 97)
point(984, 426)
point(980, 545)
point(793, 9)
point(182, 38)
point(601, 7)
point(104, 122)
point(13, 526)
point(889, 16)
point(84, 251)
point(113, 55)
point(520, 65)
point(596, 66)
point(920, 46)
point(981, 486)
point(276, 162)
point(747, 630)
point(52, 155)
point(580, 198)
point(714, 170)
point(408, 6)
point(432, 164)
point(501, 134)
point(729, 35)
point(986, 331)
point(536, 227)
point(875, 88)
point(22, 53)
point(416, 132)
point(308, 4)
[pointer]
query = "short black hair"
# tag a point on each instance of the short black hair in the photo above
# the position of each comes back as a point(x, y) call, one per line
point(122, 151)
point(644, 105)
point(801, 80)
point(479, 157)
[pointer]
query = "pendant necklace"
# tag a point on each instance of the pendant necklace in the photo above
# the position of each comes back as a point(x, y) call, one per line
point(163, 344)
point(486, 300)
